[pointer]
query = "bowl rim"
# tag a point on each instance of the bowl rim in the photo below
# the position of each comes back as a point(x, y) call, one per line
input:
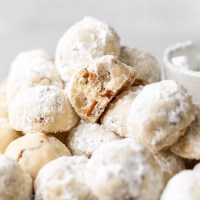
point(178, 46)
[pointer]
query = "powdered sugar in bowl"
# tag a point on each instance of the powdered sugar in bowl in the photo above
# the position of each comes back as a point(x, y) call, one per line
point(182, 63)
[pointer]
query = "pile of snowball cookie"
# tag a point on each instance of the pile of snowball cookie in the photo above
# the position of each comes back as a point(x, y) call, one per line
point(96, 123)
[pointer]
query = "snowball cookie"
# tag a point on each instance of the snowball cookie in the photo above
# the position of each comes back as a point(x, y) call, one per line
point(63, 178)
point(188, 145)
point(87, 137)
point(29, 69)
point(34, 150)
point(3, 100)
point(170, 164)
point(160, 114)
point(7, 134)
point(15, 184)
point(124, 169)
point(146, 66)
point(91, 91)
point(82, 43)
point(115, 117)
point(42, 109)
point(183, 186)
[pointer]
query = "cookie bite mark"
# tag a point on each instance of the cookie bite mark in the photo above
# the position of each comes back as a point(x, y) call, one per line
point(92, 90)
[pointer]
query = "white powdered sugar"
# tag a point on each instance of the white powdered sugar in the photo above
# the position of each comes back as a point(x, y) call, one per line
point(87, 137)
point(14, 182)
point(170, 164)
point(68, 177)
point(42, 109)
point(29, 69)
point(146, 66)
point(160, 114)
point(124, 169)
point(82, 44)
point(183, 186)
point(188, 146)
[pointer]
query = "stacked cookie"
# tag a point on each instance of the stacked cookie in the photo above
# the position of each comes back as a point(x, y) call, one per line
point(95, 123)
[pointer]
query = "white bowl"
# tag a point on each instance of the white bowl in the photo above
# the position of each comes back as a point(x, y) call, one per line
point(182, 63)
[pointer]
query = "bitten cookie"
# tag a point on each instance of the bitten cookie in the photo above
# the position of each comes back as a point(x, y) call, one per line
point(34, 150)
point(170, 164)
point(188, 145)
point(63, 178)
point(91, 91)
point(124, 169)
point(146, 66)
point(160, 114)
point(7, 134)
point(82, 43)
point(42, 109)
point(3, 100)
point(116, 115)
point(15, 184)
point(183, 186)
point(87, 137)
point(29, 69)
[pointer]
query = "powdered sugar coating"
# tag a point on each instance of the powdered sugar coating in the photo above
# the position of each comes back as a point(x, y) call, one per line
point(183, 186)
point(124, 169)
point(29, 69)
point(87, 137)
point(92, 90)
point(3, 100)
point(160, 114)
point(14, 182)
point(42, 109)
point(7, 134)
point(170, 164)
point(34, 150)
point(146, 66)
point(63, 178)
point(188, 146)
point(116, 115)
point(85, 41)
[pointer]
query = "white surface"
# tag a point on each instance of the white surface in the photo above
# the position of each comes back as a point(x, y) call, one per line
point(150, 24)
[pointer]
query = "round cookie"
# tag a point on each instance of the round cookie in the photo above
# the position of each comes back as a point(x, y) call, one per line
point(124, 169)
point(7, 134)
point(160, 114)
point(146, 66)
point(85, 41)
point(92, 90)
point(29, 69)
point(170, 163)
point(34, 150)
point(87, 137)
point(3, 100)
point(63, 178)
point(42, 109)
point(116, 115)
point(14, 182)
point(188, 145)
point(183, 186)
